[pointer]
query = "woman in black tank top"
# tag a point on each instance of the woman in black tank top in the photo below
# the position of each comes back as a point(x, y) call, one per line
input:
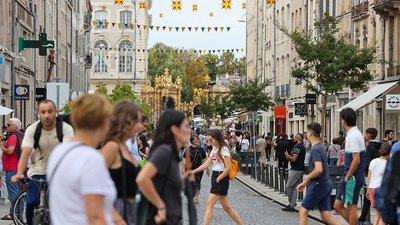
point(124, 124)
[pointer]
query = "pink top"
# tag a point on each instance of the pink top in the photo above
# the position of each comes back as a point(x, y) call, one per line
point(341, 154)
point(10, 162)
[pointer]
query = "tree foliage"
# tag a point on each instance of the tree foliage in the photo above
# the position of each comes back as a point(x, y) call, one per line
point(326, 64)
point(211, 62)
point(196, 75)
point(251, 97)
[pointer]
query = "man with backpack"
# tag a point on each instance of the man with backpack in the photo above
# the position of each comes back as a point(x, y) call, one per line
point(40, 139)
point(11, 153)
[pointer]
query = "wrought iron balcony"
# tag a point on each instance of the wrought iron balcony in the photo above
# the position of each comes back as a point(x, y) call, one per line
point(383, 6)
point(393, 71)
point(359, 10)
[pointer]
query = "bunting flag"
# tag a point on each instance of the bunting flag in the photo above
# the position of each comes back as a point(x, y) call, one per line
point(103, 8)
point(157, 27)
point(194, 8)
point(161, 15)
point(179, 51)
point(216, 60)
point(211, 14)
point(271, 2)
point(244, 5)
point(119, 2)
point(176, 5)
point(226, 4)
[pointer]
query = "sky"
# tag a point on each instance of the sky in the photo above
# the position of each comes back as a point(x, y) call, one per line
point(234, 39)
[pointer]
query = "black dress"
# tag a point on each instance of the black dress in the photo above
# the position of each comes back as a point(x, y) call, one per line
point(197, 154)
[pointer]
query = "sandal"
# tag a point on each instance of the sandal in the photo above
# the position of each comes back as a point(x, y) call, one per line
point(6, 217)
point(196, 201)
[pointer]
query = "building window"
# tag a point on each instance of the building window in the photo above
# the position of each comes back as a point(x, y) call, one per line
point(125, 18)
point(125, 56)
point(101, 65)
point(101, 19)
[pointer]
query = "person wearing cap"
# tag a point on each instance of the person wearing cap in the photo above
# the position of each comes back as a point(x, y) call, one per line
point(10, 160)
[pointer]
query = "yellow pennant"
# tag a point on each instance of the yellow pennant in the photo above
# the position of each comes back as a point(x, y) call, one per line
point(170, 29)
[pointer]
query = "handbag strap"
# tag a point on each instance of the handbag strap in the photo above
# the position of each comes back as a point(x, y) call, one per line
point(124, 186)
point(60, 161)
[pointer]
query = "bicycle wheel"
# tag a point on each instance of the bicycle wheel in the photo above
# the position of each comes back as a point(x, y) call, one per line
point(18, 209)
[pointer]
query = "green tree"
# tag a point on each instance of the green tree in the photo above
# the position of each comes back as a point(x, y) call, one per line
point(250, 97)
point(196, 74)
point(102, 90)
point(207, 108)
point(327, 64)
point(123, 91)
point(212, 64)
point(224, 106)
point(240, 65)
point(228, 65)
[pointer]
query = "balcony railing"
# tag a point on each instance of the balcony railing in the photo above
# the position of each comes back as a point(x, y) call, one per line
point(359, 10)
point(381, 6)
point(393, 71)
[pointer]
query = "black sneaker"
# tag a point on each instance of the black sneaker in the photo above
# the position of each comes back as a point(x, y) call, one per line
point(289, 209)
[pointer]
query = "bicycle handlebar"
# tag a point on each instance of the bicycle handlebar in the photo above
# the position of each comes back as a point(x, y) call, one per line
point(41, 181)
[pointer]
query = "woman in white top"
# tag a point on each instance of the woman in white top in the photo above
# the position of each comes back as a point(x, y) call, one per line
point(81, 189)
point(220, 159)
point(374, 180)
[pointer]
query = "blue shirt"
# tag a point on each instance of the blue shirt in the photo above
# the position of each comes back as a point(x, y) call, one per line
point(318, 154)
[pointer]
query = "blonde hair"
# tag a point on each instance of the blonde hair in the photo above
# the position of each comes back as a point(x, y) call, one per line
point(89, 111)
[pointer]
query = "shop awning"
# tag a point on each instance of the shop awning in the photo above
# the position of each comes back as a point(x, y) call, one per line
point(369, 96)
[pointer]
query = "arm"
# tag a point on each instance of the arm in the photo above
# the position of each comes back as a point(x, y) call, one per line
point(203, 166)
point(22, 164)
point(227, 162)
point(11, 143)
point(353, 167)
point(94, 205)
point(292, 158)
point(369, 177)
point(109, 152)
point(146, 186)
point(9, 150)
point(315, 173)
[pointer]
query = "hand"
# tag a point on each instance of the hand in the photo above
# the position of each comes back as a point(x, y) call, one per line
point(208, 172)
point(189, 175)
point(161, 216)
point(301, 187)
point(218, 180)
point(347, 178)
point(17, 178)
point(118, 219)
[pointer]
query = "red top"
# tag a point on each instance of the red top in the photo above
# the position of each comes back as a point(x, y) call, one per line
point(10, 162)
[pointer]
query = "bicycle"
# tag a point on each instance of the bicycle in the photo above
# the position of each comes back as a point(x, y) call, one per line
point(41, 214)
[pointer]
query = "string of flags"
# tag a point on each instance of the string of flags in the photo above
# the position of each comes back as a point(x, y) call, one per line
point(216, 60)
point(159, 28)
point(178, 51)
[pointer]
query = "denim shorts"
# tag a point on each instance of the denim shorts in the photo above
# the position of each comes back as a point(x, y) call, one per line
point(318, 194)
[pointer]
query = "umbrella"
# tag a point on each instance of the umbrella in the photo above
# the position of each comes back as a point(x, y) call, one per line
point(5, 111)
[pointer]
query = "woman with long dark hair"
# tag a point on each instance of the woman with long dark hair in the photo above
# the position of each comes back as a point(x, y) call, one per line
point(220, 159)
point(159, 180)
point(143, 145)
point(124, 123)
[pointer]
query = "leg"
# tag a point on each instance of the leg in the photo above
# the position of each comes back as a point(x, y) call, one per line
point(12, 188)
point(228, 209)
point(377, 218)
point(3, 189)
point(293, 181)
point(339, 207)
point(32, 198)
point(365, 209)
point(328, 219)
point(303, 216)
point(212, 199)
point(352, 213)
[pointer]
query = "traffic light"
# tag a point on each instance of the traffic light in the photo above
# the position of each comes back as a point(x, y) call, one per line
point(42, 44)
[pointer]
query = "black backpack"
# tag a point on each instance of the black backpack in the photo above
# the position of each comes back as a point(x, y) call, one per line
point(20, 137)
point(38, 132)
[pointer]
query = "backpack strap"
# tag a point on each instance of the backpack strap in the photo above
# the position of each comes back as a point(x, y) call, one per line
point(36, 136)
point(59, 130)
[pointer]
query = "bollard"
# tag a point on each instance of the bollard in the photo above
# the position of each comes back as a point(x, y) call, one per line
point(276, 179)
point(271, 176)
point(263, 173)
point(286, 177)
point(281, 180)
point(258, 171)
point(266, 175)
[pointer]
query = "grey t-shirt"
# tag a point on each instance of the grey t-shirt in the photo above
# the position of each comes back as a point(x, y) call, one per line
point(167, 164)
point(333, 150)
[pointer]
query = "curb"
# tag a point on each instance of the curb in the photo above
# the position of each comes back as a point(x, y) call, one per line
point(274, 200)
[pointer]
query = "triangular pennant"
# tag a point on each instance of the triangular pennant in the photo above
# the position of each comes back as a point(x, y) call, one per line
point(242, 49)
point(119, 25)
point(237, 50)
point(222, 28)
point(190, 28)
point(209, 28)
point(145, 27)
point(200, 51)
point(183, 28)
point(213, 51)
point(107, 24)
point(202, 29)
point(151, 27)
point(228, 28)
point(113, 24)
point(143, 50)
point(100, 23)
point(216, 28)
point(177, 29)
point(132, 26)
point(94, 22)
point(162, 50)
point(126, 25)
point(196, 28)
point(164, 27)
point(170, 29)
point(157, 28)
point(148, 50)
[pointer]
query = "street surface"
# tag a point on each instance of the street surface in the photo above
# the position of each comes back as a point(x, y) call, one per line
point(252, 208)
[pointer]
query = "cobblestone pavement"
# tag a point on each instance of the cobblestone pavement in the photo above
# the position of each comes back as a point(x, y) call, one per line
point(252, 208)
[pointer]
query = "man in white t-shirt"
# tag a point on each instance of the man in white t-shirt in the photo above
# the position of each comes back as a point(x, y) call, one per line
point(48, 139)
point(245, 144)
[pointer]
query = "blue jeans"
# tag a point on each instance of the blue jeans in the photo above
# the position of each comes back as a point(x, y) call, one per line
point(32, 197)
point(12, 188)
